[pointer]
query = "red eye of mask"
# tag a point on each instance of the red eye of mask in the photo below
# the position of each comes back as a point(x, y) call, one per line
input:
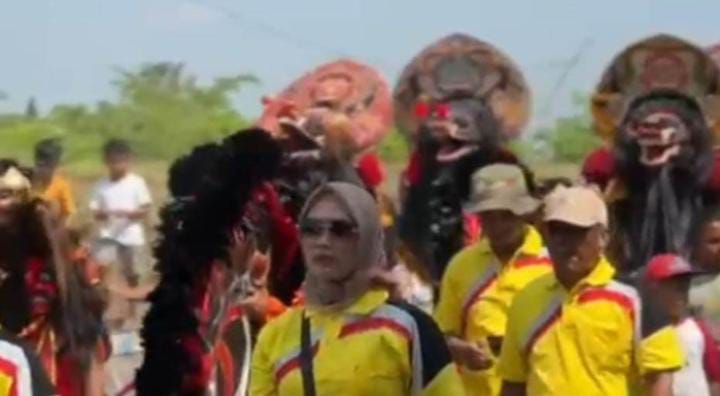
point(424, 110)
point(442, 111)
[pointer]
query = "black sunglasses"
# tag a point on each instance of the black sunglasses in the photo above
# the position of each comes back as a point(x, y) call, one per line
point(336, 228)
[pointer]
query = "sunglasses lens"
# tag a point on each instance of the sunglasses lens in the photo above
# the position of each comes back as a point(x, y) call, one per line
point(342, 229)
point(337, 228)
point(311, 229)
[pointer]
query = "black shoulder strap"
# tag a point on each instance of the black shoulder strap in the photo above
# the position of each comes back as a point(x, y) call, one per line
point(306, 357)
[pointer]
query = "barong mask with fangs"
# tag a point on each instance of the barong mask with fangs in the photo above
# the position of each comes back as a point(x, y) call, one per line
point(457, 101)
point(466, 92)
point(656, 107)
point(325, 121)
point(660, 136)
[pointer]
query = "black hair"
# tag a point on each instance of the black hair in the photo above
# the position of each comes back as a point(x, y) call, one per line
point(49, 150)
point(116, 147)
point(701, 219)
point(210, 187)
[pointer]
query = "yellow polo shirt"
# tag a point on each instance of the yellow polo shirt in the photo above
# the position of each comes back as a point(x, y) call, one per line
point(59, 194)
point(373, 347)
point(476, 293)
point(597, 339)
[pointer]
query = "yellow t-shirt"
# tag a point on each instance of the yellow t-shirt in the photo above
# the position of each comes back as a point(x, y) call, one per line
point(59, 194)
point(476, 293)
point(596, 339)
point(371, 348)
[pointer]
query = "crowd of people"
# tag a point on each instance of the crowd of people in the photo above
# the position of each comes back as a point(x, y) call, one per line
point(532, 307)
point(281, 265)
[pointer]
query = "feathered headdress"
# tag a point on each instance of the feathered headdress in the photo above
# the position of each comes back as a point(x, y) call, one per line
point(211, 187)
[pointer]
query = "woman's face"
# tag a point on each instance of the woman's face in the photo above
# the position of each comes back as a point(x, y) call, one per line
point(330, 239)
point(707, 254)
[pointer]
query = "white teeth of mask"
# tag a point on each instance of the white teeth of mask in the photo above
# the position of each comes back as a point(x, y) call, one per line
point(666, 134)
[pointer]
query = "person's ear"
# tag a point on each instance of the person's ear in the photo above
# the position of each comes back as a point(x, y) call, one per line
point(603, 238)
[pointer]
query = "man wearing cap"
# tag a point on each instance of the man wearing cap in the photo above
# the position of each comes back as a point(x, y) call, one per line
point(481, 280)
point(668, 277)
point(578, 331)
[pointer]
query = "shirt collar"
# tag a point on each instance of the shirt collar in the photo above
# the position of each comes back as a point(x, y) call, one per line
point(532, 245)
point(367, 303)
point(601, 275)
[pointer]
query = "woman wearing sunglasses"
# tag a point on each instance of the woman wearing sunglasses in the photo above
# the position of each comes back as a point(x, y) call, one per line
point(349, 339)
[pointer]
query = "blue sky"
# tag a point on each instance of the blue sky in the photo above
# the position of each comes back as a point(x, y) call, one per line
point(65, 51)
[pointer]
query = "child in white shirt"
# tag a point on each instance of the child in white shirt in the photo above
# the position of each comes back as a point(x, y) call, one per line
point(120, 203)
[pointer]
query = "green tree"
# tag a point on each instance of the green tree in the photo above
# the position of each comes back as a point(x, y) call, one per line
point(394, 147)
point(571, 138)
point(165, 110)
point(31, 111)
point(160, 107)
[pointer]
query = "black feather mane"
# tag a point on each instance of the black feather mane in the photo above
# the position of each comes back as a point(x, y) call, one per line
point(210, 187)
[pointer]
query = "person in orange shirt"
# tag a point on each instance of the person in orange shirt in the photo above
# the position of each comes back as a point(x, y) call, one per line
point(47, 183)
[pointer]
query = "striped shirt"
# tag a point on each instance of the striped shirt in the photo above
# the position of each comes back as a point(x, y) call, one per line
point(373, 347)
point(599, 338)
point(21, 373)
point(476, 293)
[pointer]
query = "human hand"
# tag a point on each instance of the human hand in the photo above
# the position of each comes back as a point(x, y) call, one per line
point(470, 355)
point(101, 215)
point(256, 305)
point(127, 214)
point(478, 357)
point(388, 281)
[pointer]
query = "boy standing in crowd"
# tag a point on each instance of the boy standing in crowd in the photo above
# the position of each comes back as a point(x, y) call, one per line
point(120, 203)
point(669, 276)
point(704, 252)
point(51, 186)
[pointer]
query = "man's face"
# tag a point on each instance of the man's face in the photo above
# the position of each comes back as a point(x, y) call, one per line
point(118, 164)
point(707, 253)
point(574, 250)
point(44, 169)
point(503, 228)
point(673, 294)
